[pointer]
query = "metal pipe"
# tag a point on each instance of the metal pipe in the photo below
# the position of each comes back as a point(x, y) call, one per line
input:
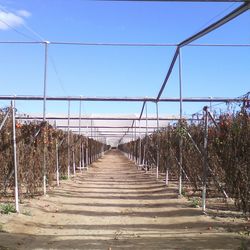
point(109, 127)
point(218, 1)
point(146, 144)
point(143, 106)
point(57, 165)
point(180, 140)
point(15, 155)
point(238, 11)
point(158, 143)
point(132, 44)
point(80, 126)
point(140, 142)
point(4, 119)
point(121, 131)
point(91, 134)
point(115, 44)
point(74, 163)
point(103, 118)
point(87, 149)
point(205, 168)
point(45, 80)
point(112, 135)
point(120, 99)
point(68, 140)
point(44, 113)
point(168, 74)
point(83, 155)
point(136, 149)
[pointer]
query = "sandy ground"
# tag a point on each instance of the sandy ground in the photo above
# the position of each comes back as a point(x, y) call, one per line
point(115, 206)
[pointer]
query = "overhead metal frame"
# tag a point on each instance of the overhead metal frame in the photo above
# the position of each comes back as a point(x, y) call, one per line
point(235, 13)
point(238, 11)
point(118, 99)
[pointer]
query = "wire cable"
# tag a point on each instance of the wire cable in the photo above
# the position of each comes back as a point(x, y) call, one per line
point(57, 73)
point(17, 31)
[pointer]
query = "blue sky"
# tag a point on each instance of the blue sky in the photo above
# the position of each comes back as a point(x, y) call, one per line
point(120, 71)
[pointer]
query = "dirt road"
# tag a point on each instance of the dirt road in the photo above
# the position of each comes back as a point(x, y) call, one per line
point(114, 206)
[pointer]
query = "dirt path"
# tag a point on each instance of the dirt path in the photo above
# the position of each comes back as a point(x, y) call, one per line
point(114, 206)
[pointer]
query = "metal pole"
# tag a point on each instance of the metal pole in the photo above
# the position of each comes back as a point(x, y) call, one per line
point(181, 140)
point(146, 144)
point(74, 163)
point(5, 119)
point(121, 99)
point(45, 80)
point(166, 177)
point(87, 149)
point(57, 164)
point(136, 149)
point(15, 154)
point(205, 156)
point(80, 120)
point(158, 143)
point(44, 112)
point(133, 144)
point(92, 144)
point(68, 140)
point(139, 143)
point(83, 155)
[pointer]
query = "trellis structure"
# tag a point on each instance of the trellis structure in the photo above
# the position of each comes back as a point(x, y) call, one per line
point(135, 130)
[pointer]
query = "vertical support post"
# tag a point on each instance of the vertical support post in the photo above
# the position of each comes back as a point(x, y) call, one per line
point(15, 155)
point(87, 152)
point(139, 143)
point(136, 149)
point(68, 140)
point(87, 148)
point(133, 144)
point(205, 156)
point(180, 140)
point(95, 143)
point(83, 155)
point(158, 143)
point(146, 142)
point(74, 162)
point(80, 147)
point(57, 164)
point(92, 144)
point(44, 111)
point(166, 177)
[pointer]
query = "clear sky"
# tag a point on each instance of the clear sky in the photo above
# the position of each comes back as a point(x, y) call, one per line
point(120, 71)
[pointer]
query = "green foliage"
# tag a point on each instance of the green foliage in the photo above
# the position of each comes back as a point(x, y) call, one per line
point(26, 212)
point(195, 202)
point(183, 192)
point(64, 177)
point(243, 244)
point(7, 208)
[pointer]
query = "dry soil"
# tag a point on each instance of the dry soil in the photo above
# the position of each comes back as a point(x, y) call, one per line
point(112, 205)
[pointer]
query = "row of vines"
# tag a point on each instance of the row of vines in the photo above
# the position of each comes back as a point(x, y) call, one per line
point(228, 153)
point(33, 139)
